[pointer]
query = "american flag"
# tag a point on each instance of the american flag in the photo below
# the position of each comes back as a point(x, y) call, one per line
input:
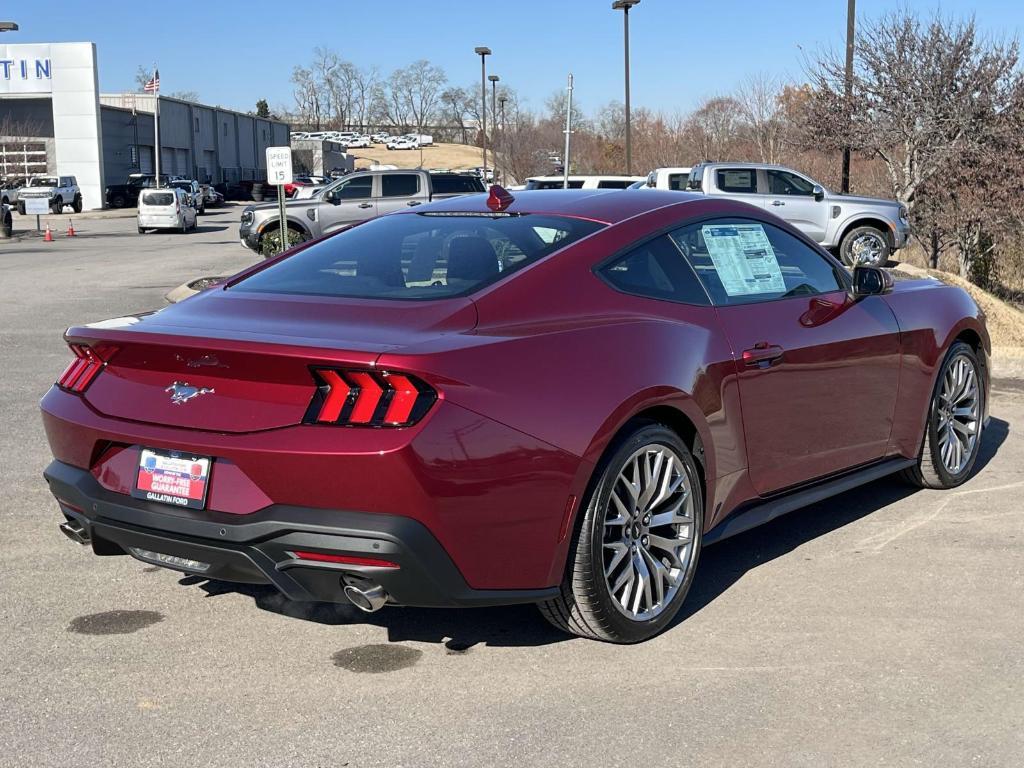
point(153, 86)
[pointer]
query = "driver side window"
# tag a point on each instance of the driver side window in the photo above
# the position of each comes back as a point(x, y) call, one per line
point(741, 261)
point(354, 189)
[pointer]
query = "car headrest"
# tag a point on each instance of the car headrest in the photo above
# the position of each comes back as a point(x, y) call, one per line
point(471, 258)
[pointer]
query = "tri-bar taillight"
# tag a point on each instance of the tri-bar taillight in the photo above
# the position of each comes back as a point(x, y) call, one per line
point(362, 398)
point(88, 362)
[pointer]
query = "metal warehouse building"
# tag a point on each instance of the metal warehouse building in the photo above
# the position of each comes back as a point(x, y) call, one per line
point(54, 120)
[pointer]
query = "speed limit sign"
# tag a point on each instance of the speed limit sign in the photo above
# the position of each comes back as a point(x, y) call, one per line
point(279, 165)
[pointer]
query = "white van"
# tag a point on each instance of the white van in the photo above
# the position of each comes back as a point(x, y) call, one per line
point(582, 182)
point(166, 208)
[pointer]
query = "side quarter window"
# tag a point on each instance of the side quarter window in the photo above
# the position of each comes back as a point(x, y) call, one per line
point(656, 269)
point(740, 261)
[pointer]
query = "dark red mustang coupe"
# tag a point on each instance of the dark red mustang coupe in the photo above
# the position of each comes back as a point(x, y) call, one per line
point(555, 398)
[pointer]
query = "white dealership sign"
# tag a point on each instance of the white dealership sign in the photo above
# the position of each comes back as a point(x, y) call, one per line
point(26, 68)
point(64, 74)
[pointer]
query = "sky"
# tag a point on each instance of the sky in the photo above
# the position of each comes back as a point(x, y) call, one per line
point(232, 53)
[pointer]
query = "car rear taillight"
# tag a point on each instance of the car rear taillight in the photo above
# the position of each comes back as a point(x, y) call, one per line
point(88, 362)
point(353, 398)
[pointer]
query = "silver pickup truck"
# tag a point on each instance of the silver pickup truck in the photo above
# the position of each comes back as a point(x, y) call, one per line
point(861, 230)
point(350, 199)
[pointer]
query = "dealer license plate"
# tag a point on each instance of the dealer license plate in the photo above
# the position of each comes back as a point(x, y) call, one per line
point(172, 477)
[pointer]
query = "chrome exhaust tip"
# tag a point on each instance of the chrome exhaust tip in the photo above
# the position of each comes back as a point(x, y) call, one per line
point(367, 599)
point(75, 531)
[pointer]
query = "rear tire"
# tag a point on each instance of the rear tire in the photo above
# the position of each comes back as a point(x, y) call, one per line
point(952, 436)
point(76, 205)
point(635, 551)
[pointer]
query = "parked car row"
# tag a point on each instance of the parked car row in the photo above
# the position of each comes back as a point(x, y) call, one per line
point(860, 230)
point(355, 140)
point(127, 194)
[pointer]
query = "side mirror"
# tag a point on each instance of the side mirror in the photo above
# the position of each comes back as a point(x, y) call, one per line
point(818, 192)
point(871, 281)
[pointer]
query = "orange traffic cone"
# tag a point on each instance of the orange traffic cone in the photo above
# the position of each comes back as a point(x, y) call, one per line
point(71, 229)
point(48, 238)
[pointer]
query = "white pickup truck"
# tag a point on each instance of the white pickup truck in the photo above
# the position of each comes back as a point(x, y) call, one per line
point(862, 230)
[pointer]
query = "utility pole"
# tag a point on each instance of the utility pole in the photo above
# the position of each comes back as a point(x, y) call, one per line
point(568, 132)
point(851, 16)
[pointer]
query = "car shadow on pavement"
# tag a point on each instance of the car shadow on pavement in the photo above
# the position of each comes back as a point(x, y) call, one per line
point(721, 566)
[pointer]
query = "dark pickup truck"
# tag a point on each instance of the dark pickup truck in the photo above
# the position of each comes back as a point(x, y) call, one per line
point(127, 194)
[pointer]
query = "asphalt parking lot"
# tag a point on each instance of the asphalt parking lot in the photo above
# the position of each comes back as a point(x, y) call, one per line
point(883, 627)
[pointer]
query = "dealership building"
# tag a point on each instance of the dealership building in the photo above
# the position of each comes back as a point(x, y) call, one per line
point(53, 119)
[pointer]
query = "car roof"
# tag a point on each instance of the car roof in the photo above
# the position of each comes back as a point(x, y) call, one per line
point(609, 206)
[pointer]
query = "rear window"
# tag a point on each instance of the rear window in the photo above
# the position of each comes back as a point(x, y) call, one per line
point(158, 198)
point(454, 183)
point(614, 183)
point(419, 256)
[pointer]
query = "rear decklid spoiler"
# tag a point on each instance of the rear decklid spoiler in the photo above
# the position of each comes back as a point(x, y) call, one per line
point(248, 357)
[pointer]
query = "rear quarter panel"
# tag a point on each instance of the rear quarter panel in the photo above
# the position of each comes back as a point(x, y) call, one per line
point(931, 316)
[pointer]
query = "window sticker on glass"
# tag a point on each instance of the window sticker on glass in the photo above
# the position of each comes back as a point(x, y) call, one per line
point(744, 259)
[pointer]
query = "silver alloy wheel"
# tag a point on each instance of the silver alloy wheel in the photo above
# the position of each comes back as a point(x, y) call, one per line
point(648, 532)
point(866, 249)
point(957, 414)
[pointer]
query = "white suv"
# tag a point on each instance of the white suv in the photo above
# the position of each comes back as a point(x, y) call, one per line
point(58, 191)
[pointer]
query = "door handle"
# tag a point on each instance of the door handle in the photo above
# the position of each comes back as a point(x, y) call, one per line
point(411, 203)
point(777, 202)
point(762, 355)
point(366, 205)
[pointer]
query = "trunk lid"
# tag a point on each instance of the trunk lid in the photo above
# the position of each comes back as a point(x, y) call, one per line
point(235, 362)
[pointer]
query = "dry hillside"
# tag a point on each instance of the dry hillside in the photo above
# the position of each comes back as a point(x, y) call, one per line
point(437, 156)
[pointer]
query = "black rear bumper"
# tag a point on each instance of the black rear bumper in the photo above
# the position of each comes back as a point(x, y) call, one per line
point(255, 548)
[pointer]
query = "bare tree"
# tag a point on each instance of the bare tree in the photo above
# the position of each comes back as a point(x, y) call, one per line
point(716, 127)
point(923, 93)
point(761, 109)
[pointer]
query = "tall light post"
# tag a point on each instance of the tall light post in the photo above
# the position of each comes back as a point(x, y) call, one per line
point(483, 52)
point(504, 145)
point(624, 6)
point(494, 123)
point(8, 26)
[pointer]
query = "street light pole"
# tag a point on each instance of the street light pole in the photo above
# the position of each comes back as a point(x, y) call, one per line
point(624, 6)
point(504, 173)
point(483, 52)
point(494, 124)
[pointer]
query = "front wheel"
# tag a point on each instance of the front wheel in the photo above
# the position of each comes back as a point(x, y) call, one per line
point(865, 247)
point(636, 549)
point(57, 206)
point(953, 432)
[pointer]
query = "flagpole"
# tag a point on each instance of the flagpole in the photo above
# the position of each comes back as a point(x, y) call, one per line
point(156, 124)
